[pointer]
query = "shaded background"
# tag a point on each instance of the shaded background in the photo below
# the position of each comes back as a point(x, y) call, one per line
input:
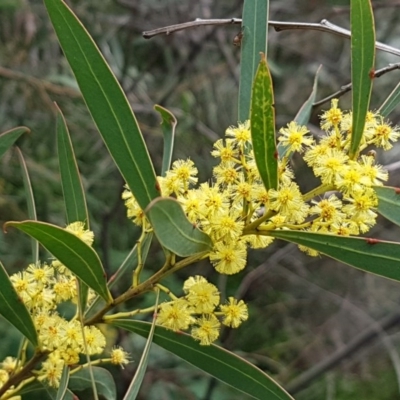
point(304, 311)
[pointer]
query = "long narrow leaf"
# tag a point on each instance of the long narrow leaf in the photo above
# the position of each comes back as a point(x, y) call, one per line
point(362, 66)
point(74, 196)
point(254, 41)
point(62, 388)
point(303, 115)
point(106, 102)
point(134, 387)
point(168, 125)
point(371, 255)
point(13, 309)
point(30, 201)
point(389, 203)
point(391, 102)
point(71, 251)
point(262, 124)
point(7, 139)
point(216, 361)
point(173, 229)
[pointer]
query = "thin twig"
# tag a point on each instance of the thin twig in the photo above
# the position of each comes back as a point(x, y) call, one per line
point(324, 26)
point(167, 30)
point(346, 88)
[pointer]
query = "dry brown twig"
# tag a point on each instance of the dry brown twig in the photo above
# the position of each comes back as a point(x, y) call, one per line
point(324, 26)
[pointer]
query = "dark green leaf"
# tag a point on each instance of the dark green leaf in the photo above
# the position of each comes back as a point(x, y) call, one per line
point(168, 125)
point(370, 255)
point(13, 309)
point(262, 124)
point(362, 66)
point(137, 380)
point(389, 203)
point(81, 384)
point(254, 41)
point(391, 102)
point(30, 201)
point(216, 361)
point(74, 196)
point(7, 139)
point(106, 102)
point(71, 251)
point(173, 230)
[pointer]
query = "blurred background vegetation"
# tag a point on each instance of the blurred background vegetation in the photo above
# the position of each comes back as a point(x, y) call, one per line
point(320, 328)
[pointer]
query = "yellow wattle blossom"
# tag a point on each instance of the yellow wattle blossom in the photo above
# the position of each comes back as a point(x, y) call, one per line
point(225, 150)
point(176, 315)
point(134, 211)
point(119, 356)
point(294, 137)
point(78, 229)
point(229, 258)
point(384, 134)
point(288, 202)
point(95, 340)
point(241, 134)
point(329, 165)
point(52, 369)
point(234, 312)
point(207, 329)
point(203, 297)
point(333, 117)
point(9, 364)
point(327, 211)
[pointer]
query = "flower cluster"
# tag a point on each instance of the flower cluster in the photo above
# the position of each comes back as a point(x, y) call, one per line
point(237, 212)
point(198, 310)
point(43, 288)
point(236, 197)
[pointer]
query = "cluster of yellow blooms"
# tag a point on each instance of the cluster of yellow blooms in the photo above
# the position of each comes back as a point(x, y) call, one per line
point(43, 288)
point(201, 299)
point(237, 212)
point(237, 198)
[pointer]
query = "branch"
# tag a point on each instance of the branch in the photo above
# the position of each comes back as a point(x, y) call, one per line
point(346, 88)
point(167, 30)
point(324, 26)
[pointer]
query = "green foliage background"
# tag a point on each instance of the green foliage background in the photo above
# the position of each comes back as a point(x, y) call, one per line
point(302, 309)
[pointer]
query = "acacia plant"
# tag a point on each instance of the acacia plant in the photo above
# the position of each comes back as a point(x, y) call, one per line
point(251, 199)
